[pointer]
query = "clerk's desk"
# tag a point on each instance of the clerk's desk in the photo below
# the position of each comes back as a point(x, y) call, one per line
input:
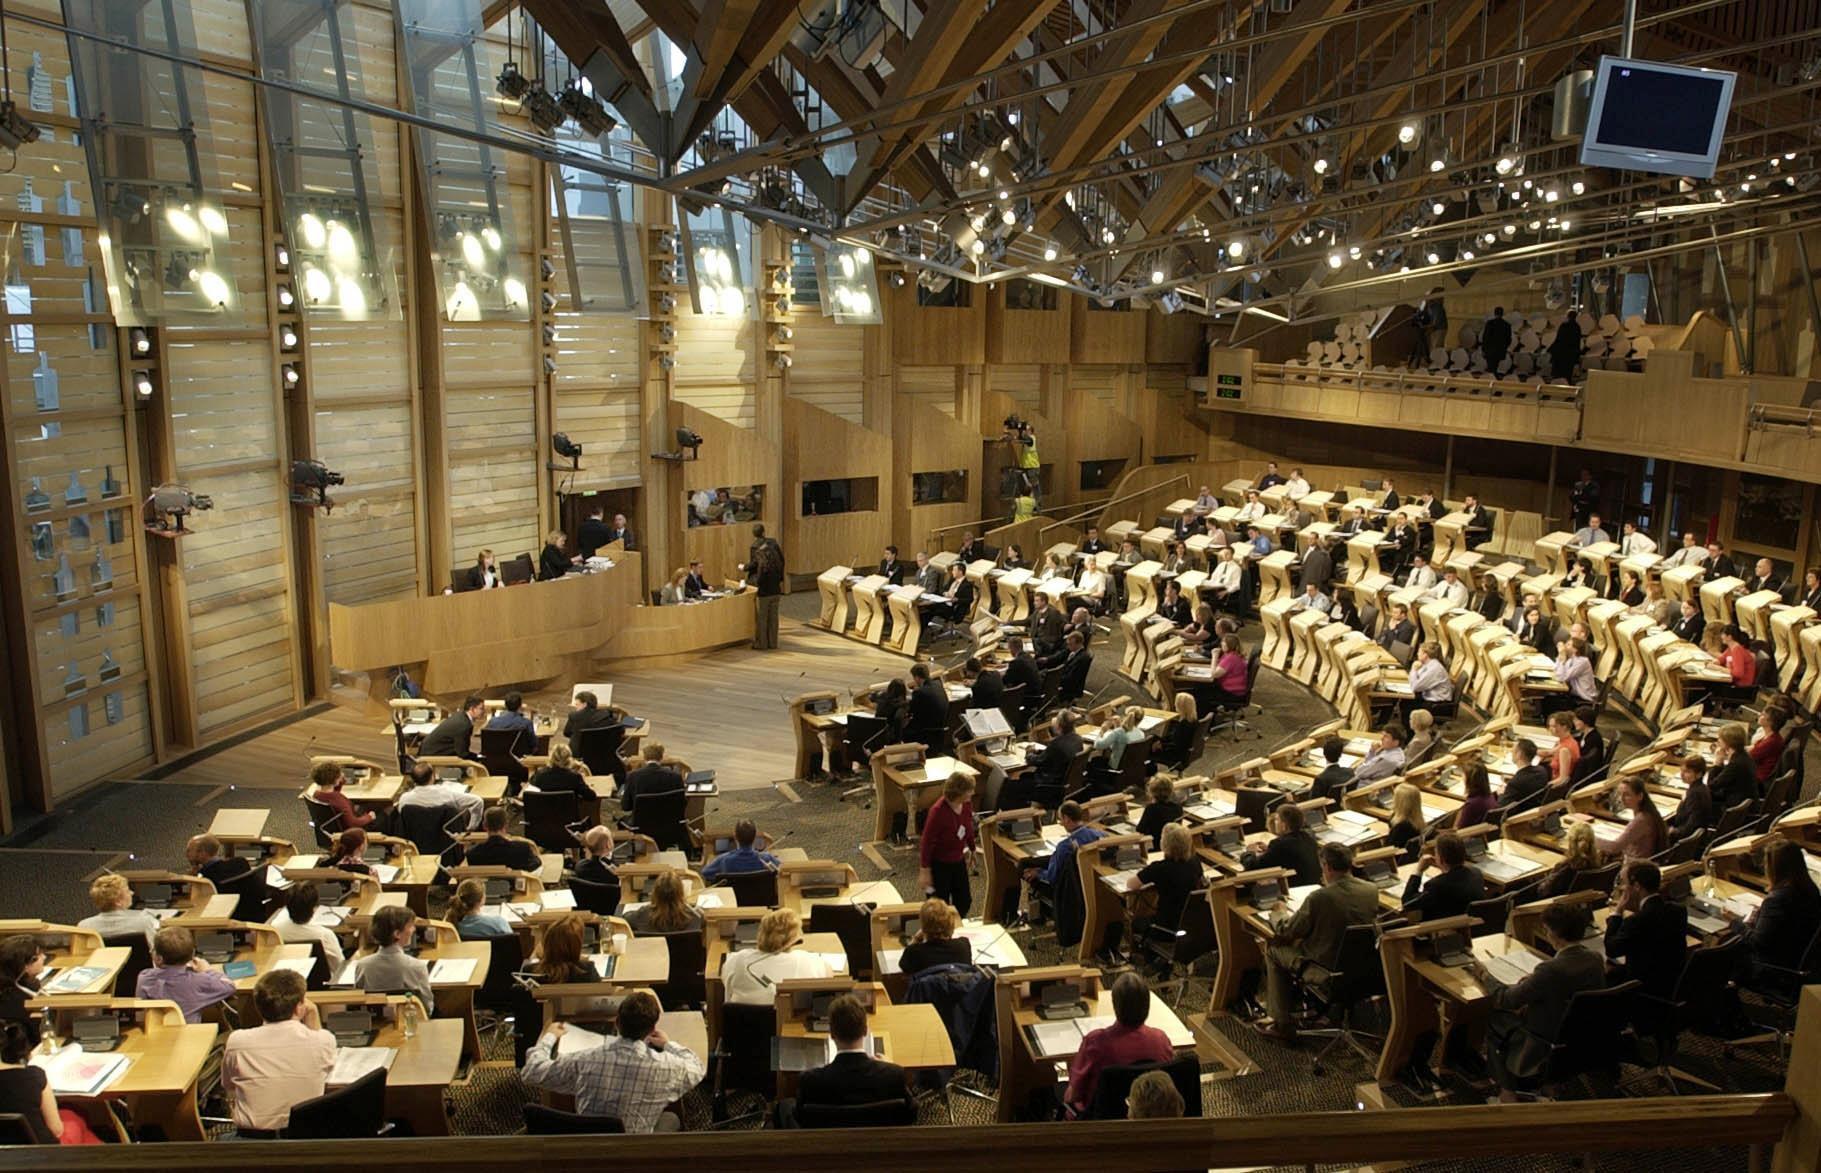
point(165, 1058)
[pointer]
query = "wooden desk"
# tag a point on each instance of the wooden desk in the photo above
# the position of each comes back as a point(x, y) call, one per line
point(1428, 998)
point(1022, 1071)
point(915, 1037)
point(165, 1058)
point(905, 790)
point(109, 958)
point(240, 823)
point(829, 945)
point(1006, 861)
point(486, 639)
point(1238, 931)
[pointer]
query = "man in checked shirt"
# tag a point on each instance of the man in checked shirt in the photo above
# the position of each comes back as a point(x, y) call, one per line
point(635, 1076)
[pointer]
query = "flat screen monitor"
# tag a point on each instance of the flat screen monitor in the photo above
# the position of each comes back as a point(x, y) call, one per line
point(1647, 116)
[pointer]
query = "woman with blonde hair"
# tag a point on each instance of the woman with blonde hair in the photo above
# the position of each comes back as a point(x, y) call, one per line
point(485, 573)
point(1179, 739)
point(1581, 853)
point(675, 591)
point(1173, 879)
point(667, 910)
point(564, 771)
point(1119, 734)
point(935, 943)
point(1407, 819)
point(1160, 809)
point(553, 562)
point(1422, 737)
point(751, 975)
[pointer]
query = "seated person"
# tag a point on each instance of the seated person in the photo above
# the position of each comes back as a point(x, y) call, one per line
point(1479, 798)
point(115, 915)
point(597, 862)
point(1397, 629)
point(673, 593)
point(1125, 1042)
point(987, 683)
point(654, 777)
point(1291, 847)
point(204, 855)
point(666, 908)
point(561, 774)
point(1072, 818)
point(1200, 630)
point(1696, 810)
point(751, 975)
point(1452, 891)
point(586, 713)
point(349, 852)
point(1315, 933)
point(745, 857)
point(1232, 673)
point(298, 924)
point(1429, 681)
point(960, 594)
point(635, 1077)
point(268, 1069)
point(1153, 1097)
point(1050, 765)
point(454, 734)
point(1173, 879)
point(1422, 737)
point(1160, 809)
point(513, 719)
point(178, 975)
point(1528, 1016)
point(853, 1077)
point(1118, 732)
point(1779, 932)
point(1527, 783)
point(22, 962)
point(935, 943)
point(1384, 759)
point(1334, 779)
point(1091, 589)
point(1767, 747)
point(501, 850)
point(326, 781)
point(1224, 578)
point(1580, 854)
point(1645, 831)
point(421, 789)
point(389, 969)
point(1407, 821)
point(1647, 935)
point(467, 912)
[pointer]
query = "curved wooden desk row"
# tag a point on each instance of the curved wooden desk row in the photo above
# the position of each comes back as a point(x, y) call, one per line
point(538, 631)
point(858, 605)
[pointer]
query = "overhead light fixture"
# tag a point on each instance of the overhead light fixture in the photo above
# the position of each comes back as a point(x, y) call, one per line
point(1335, 260)
point(142, 341)
point(511, 83)
point(1236, 248)
point(15, 129)
point(142, 384)
point(287, 337)
point(1320, 166)
point(292, 375)
point(1049, 252)
point(1409, 133)
point(1157, 276)
point(587, 110)
point(542, 109)
point(1578, 188)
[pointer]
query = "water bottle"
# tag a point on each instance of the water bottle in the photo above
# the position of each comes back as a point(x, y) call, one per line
point(409, 1018)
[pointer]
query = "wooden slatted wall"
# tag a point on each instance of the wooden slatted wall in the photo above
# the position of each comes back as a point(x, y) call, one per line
point(717, 368)
point(595, 391)
point(829, 366)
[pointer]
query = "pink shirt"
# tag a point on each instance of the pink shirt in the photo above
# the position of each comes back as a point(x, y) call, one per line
point(1232, 673)
point(265, 1070)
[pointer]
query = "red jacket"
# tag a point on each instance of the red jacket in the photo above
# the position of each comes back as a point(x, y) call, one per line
point(1742, 664)
point(1764, 754)
point(946, 834)
point(1113, 1046)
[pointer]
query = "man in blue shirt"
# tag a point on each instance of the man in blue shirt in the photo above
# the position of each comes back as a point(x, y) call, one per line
point(1072, 819)
point(743, 858)
point(512, 716)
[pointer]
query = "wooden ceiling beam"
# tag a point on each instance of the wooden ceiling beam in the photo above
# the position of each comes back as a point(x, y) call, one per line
point(764, 27)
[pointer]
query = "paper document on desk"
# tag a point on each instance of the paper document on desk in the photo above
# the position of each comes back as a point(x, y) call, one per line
point(1052, 833)
point(576, 1040)
point(557, 898)
point(1512, 968)
point(1052, 1039)
point(301, 966)
point(1119, 879)
point(987, 723)
point(452, 971)
point(347, 975)
point(836, 962)
point(301, 862)
point(711, 898)
point(75, 1072)
point(1356, 818)
point(74, 980)
point(385, 873)
point(1147, 724)
point(1596, 943)
point(275, 877)
point(939, 769)
point(1293, 899)
point(353, 1062)
point(1742, 905)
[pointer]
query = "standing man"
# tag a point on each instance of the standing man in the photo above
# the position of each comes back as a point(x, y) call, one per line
point(764, 568)
point(1495, 339)
point(592, 533)
point(1584, 498)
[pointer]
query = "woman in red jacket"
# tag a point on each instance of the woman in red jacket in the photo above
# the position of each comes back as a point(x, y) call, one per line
point(1769, 747)
point(948, 843)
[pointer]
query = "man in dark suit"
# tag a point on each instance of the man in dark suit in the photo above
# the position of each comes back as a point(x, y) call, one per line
point(1587, 736)
point(1764, 577)
point(890, 567)
point(1332, 782)
point(1529, 1015)
point(451, 736)
point(959, 592)
point(204, 855)
point(499, 849)
point(619, 533)
point(1479, 522)
point(1076, 662)
point(1092, 543)
point(1648, 934)
point(1291, 847)
point(1316, 931)
point(654, 777)
point(591, 535)
point(586, 713)
point(696, 584)
point(1718, 564)
point(1495, 338)
point(928, 709)
point(1317, 567)
point(989, 686)
point(972, 549)
point(853, 1076)
point(1388, 499)
point(1051, 764)
point(1045, 625)
point(1530, 779)
point(1692, 625)
point(1453, 890)
point(1023, 671)
point(1397, 629)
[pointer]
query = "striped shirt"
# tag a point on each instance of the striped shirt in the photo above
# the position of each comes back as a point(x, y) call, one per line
point(626, 1078)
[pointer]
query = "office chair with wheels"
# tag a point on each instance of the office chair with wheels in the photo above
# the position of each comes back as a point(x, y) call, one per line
point(1590, 1042)
point(1704, 984)
point(494, 1002)
point(138, 960)
point(1115, 1084)
point(662, 816)
point(742, 1061)
point(752, 889)
point(1229, 711)
point(1253, 803)
point(502, 748)
point(1357, 977)
point(542, 1121)
point(600, 748)
point(325, 822)
point(249, 892)
point(1779, 988)
point(355, 1111)
point(899, 1113)
point(603, 899)
point(851, 923)
point(1735, 818)
point(1174, 949)
point(550, 819)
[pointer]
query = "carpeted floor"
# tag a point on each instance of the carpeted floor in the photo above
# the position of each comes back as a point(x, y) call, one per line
point(44, 870)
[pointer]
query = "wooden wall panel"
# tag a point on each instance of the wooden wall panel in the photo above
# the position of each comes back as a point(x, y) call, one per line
point(731, 456)
point(1102, 382)
point(1105, 336)
point(925, 440)
point(717, 369)
point(1022, 384)
point(1173, 338)
point(932, 387)
point(596, 398)
point(822, 446)
point(954, 335)
point(1025, 336)
point(829, 366)
point(493, 454)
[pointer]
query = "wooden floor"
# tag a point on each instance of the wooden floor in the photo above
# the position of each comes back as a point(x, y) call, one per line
point(725, 711)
